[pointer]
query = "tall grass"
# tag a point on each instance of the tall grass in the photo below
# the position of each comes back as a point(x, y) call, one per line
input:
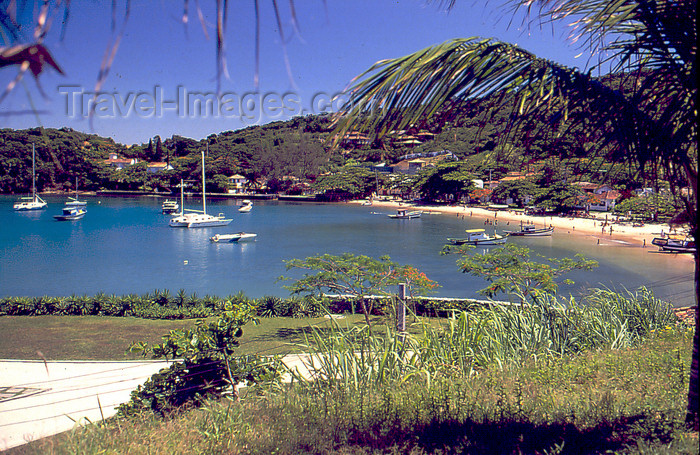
point(497, 335)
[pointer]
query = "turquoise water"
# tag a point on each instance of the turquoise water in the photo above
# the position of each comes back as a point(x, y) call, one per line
point(124, 245)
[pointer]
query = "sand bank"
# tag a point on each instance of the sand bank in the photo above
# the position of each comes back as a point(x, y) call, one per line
point(510, 220)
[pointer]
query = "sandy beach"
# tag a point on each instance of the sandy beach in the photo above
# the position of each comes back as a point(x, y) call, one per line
point(597, 228)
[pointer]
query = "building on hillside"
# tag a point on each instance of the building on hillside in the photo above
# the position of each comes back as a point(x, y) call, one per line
point(154, 168)
point(603, 197)
point(120, 163)
point(354, 139)
point(237, 184)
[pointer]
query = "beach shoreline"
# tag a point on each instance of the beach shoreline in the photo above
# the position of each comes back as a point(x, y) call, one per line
point(622, 232)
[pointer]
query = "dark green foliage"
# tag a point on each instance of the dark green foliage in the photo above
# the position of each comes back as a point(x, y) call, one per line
point(204, 366)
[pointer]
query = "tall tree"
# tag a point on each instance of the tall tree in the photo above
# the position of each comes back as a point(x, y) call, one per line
point(648, 121)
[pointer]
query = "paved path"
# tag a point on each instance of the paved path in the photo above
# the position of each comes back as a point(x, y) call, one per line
point(39, 399)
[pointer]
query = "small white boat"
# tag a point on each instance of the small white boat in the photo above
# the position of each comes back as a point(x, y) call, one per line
point(404, 214)
point(531, 230)
point(238, 237)
point(33, 202)
point(479, 237)
point(246, 207)
point(71, 214)
point(170, 206)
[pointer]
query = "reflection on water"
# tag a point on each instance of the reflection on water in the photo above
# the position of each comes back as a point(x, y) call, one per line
point(125, 245)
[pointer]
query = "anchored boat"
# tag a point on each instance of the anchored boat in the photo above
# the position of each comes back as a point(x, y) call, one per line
point(34, 202)
point(479, 237)
point(238, 237)
point(404, 214)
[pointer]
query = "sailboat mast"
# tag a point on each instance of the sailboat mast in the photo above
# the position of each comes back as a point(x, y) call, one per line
point(204, 188)
point(33, 174)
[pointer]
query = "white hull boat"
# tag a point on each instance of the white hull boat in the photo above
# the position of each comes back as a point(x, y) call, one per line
point(170, 206)
point(74, 201)
point(199, 219)
point(237, 237)
point(246, 207)
point(406, 214)
point(33, 202)
point(479, 237)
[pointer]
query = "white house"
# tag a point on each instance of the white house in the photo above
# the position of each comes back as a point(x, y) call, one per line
point(237, 184)
point(120, 163)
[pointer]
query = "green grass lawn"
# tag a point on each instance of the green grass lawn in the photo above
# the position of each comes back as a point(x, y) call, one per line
point(108, 338)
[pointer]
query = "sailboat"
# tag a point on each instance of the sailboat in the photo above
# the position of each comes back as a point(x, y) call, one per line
point(197, 219)
point(73, 201)
point(34, 202)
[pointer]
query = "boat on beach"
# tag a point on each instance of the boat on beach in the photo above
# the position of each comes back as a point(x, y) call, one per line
point(237, 237)
point(676, 244)
point(246, 207)
point(33, 202)
point(479, 237)
point(404, 214)
point(531, 230)
point(71, 214)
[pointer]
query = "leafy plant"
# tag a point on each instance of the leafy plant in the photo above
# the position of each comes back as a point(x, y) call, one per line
point(204, 366)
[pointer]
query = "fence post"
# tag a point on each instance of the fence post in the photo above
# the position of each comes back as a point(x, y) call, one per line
point(401, 309)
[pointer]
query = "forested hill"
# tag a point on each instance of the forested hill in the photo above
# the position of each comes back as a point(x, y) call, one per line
point(272, 152)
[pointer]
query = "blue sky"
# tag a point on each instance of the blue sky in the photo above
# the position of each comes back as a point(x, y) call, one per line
point(161, 63)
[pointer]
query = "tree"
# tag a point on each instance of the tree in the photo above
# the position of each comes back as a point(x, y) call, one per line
point(446, 180)
point(518, 190)
point(358, 276)
point(649, 120)
point(648, 207)
point(510, 270)
point(348, 183)
point(561, 197)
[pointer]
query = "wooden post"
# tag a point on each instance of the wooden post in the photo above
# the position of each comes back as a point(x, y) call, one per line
point(401, 309)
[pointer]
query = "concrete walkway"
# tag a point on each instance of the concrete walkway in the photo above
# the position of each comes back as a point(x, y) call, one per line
point(39, 399)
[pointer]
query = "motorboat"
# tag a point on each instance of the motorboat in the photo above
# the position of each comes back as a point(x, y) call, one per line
point(71, 214)
point(404, 214)
point(237, 237)
point(169, 206)
point(197, 219)
point(74, 201)
point(531, 230)
point(246, 207)
point(479, 237)
point(33, 202)
point(676, 244)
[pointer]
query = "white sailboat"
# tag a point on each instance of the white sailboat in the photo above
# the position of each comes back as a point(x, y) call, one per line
point(74, 201)
point(196, 219)
point(34, 202)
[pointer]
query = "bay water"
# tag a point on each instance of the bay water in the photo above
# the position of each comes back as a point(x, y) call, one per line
point(124, 245)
